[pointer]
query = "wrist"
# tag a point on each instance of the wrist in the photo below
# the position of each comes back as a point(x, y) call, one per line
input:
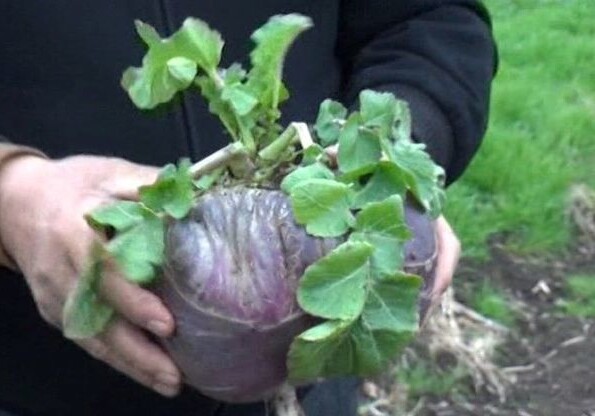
point(20, 175)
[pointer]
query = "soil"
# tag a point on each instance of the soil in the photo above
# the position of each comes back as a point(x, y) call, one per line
point(550, 355)
point(547, 356)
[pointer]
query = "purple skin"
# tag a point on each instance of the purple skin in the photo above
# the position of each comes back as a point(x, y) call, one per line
point(421, 253)
point(235, 318)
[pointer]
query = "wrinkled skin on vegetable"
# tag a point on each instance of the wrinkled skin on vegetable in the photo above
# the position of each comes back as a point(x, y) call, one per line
point(230, 279)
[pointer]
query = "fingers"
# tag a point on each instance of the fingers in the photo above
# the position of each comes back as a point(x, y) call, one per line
point(127, 178)
point(136, 304)
point(449, 251)
point(124, 345)
point(129, 351)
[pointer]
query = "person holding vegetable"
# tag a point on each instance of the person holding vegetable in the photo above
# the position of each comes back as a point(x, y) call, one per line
point(78, 144)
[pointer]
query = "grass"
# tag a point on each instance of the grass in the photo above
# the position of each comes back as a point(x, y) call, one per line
point(580, 300)
point(422, 380)
point(491, 302)
point(541, 137)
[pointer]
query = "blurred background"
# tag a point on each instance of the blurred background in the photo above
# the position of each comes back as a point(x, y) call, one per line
point(517, 336)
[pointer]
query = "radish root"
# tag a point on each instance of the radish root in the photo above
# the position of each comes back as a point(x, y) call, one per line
point(286, 403)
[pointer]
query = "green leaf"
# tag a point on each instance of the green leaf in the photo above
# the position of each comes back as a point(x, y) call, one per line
point(320, 351)
point(358, 176)
point(235, 74)
point(357, 147)
point(173, 192)
point(235, 105)
point(335, 286)
point(120, 215)
point(147, 33)
point(331, 116)
point(402, 127)
point(304, 173)
point(387, 179)
point(378, 111)
point(313, 154)
point(217, 105)
point(139, 250)
point(239, 98)
point(323, 206)
point(392, 303)
point(138, 246)
point(182, 69)
point(382, 224)
point(374, 349)
point(272, 41)
point(383, 112)
point(170, 64)
point(234, 92)
point(339, 348)
point(201, 43)
point(423, 178)
point(85, 314)
point(205, 182)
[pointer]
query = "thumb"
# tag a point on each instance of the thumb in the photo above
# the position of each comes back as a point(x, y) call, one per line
point(449, 252)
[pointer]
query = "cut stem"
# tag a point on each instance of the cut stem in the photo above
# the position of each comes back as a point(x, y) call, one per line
point(273, 151)
point(294, 133)
point(304, 135)
point(221, 157)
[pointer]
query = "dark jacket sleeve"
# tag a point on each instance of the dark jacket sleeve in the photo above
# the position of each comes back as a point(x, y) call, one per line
point(439, 55)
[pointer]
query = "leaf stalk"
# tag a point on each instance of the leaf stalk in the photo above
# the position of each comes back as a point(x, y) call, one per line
point(273, 151)
point(221, 157)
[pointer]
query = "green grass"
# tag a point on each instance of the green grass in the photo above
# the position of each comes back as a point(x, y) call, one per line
point(423, 380)
point(580, 300)
point(493, 303)
point(541, 137)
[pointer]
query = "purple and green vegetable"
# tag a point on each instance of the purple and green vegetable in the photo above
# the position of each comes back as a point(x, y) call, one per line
point(278, 263)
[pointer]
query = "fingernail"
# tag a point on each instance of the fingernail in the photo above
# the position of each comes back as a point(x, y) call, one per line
point(159, 328)
point(167, 384)
point(168, 378)
point(165, 389)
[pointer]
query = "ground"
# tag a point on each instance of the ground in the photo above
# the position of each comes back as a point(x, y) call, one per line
point(549, 355)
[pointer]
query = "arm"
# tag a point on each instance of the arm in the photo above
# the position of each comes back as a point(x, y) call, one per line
point(8, 152)
point(439, 55)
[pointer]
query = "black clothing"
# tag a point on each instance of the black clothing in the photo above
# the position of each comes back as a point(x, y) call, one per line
point(60, 66)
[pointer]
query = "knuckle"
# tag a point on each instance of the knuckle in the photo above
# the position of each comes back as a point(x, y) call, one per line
point(140, 366)
point(145, 301)
point(40, 272)
point(141, 305)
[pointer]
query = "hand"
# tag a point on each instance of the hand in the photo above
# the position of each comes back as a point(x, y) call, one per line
point(449, 252)
point(42, 204)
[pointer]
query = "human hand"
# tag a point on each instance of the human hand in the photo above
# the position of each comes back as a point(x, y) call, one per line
point(42, 227)
point(449, 252)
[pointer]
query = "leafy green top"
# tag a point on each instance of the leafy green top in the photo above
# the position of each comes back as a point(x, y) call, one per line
point(367, 303)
